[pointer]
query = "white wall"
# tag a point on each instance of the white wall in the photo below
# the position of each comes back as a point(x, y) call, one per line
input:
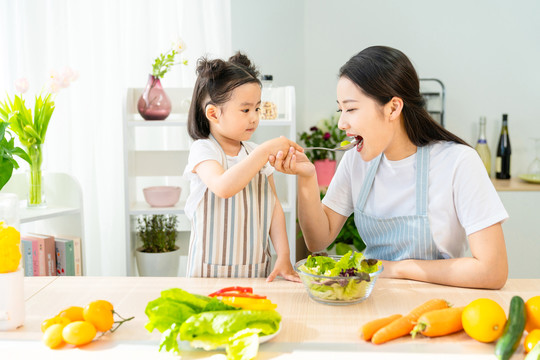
point(486, 52)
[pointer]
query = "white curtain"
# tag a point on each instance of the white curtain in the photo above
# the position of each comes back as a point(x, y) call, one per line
point(112, 45)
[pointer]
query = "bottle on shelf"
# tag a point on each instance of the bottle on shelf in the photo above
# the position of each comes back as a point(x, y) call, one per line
point(502, 166)
point(482, 146)
point(268, 101)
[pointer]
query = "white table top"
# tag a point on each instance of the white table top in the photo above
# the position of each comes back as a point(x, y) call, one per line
point(309, 329)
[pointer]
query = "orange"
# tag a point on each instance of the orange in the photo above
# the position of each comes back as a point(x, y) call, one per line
point(532, 307)
point(531, 340)
point(73, 313)
point(483, 320)
point(100, 314)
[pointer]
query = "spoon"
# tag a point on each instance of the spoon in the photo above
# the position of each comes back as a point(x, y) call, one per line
point(344, 147)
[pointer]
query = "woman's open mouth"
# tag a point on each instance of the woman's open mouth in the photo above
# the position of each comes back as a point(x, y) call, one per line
point(360, 141)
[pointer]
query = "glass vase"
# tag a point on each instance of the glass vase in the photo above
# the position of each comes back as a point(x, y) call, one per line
point(154, 104)
point(36, 195)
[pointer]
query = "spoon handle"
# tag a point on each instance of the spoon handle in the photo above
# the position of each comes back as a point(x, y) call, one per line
point(339, 148)
point(323, 148)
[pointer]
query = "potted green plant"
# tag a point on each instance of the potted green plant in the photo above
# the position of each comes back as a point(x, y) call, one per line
point(158, 255)
point(325, 134)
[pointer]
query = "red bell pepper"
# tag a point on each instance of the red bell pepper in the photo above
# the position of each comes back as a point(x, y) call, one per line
point(232, 289)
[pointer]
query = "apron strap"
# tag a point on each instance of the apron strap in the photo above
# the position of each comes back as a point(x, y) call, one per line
point(422, 179)
point(368, 181)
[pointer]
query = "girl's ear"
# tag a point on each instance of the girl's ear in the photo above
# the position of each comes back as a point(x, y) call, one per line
point(395, 106)
point(211, 113)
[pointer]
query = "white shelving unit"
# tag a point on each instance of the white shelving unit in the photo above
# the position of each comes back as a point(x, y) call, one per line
point(156, 153)
point(63, 213)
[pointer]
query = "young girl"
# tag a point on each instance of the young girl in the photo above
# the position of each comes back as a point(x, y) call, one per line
point(233, 205)
point(417, 191)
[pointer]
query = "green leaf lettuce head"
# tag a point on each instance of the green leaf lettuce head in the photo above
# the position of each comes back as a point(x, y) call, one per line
point(207, 322)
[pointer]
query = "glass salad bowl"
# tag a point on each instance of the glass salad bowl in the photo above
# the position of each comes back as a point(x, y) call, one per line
point(351, 288)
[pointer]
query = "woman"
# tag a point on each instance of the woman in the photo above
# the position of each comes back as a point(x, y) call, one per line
point(418, 192)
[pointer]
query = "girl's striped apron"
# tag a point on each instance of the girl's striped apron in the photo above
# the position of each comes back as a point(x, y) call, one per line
point(400, 237)
point(229, 237)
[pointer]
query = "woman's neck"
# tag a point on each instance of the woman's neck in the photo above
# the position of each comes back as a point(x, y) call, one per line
point(401, 146)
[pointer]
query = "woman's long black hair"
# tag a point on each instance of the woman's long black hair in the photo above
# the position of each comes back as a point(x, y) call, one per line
point(215, 83)
point(383, 72)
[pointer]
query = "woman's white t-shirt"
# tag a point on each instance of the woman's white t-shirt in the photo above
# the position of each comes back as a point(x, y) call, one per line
point(461, 196)
point(206, 149)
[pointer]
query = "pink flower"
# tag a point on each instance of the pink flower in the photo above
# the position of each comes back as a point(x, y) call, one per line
point(21, 85)
point(327, 136)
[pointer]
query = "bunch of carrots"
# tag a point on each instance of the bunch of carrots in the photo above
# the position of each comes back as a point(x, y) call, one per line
point(432, 318)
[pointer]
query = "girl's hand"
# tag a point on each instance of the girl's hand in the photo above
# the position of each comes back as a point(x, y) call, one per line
point(295, 163)
point(274, 146)
point(284, 269)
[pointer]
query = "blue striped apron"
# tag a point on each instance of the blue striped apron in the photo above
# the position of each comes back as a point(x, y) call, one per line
point(399, 237)
point(230, 237)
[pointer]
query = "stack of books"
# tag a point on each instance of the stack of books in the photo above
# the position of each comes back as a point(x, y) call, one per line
point(48, 255)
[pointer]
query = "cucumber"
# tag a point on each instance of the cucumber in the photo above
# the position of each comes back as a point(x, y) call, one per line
point(513, 330)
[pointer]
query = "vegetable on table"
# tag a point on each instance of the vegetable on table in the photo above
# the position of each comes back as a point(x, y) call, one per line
point(371, 327)
point(208, 322)
point(513, 330)
point(405, 324)
point(439, 322)
point(232, 289)
point(249, 303)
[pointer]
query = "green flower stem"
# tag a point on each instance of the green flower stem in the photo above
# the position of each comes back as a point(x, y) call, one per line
point(36, 156)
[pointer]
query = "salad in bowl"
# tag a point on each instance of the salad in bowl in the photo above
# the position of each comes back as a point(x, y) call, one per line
point(339, 280)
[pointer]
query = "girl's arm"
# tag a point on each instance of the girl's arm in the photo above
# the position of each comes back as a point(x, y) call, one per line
point(278, 235)
point(227, 183)
point(320, 225)
point(487, 268)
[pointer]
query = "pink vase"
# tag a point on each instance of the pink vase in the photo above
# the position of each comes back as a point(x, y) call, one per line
point(154, 104)
point(325, 170)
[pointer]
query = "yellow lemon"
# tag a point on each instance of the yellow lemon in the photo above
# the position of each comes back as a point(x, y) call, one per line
point(483, 320)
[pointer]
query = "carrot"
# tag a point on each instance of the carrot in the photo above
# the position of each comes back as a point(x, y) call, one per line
point(371, 327)
point(439, 322)
point(405, 324)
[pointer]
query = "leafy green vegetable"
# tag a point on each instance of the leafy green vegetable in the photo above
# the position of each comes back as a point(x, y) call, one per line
point(244, 345)
point(349, 276)
point(215, 328)
point(208, 323)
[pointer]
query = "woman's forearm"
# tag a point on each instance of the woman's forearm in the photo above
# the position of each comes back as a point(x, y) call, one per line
point(487, 268)
point(462, 272)
point(311, 216)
